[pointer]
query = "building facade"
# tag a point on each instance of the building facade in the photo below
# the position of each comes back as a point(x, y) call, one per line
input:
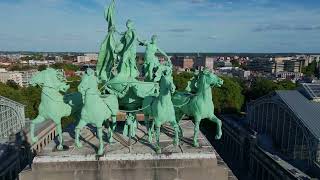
point(265, 65)
point(15, 152)
point(22, 78)
point(291, 121)
point(12, 117)
point(242, 150)
point(11, 76)
point(26, 76)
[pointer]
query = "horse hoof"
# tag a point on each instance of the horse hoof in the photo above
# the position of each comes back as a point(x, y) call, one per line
point(196, 144)
point(60, 147)
point(34, 139)
point(79, 145)
point(158, 150)
point(110, 140)
point(100, 152)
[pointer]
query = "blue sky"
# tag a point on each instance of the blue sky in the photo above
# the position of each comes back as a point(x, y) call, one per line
point(182, 25)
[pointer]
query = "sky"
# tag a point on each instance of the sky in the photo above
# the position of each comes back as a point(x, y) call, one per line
point(181, 25)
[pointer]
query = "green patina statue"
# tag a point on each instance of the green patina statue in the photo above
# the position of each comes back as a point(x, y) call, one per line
point(96, 108)
point(199, 105)
point(54, 105)
point(128, 54)
point(151, 61)
point(107, 55)
point(122, 91)
point(161, 107)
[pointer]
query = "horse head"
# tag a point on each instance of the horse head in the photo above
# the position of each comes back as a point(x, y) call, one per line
point(50, 78)
point(210, 79)
point(89, 81)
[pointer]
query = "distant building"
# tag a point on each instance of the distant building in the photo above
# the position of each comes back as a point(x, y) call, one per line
point(58, 59)
point(87, 58)
point(204, 61)
point(288, 64)
point(289, 75)
point(22, 78)
point(234, 71)
point(309, 59)
point(183, 62)
point(265, 65)
point(27, 75)
point(275, 65)
point(11, 76)
point(39, 62)
point(291, 121)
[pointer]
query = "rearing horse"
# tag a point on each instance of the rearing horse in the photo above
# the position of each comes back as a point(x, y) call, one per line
point(161, 107)
point(200, 105)
point(96, 109)
point(53, 104)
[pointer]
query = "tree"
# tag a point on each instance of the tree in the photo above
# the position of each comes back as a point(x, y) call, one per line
point(65, 67)
point(42, 67)
point(12, 84)
point(286, 85)
point(181, 80)
point(235, 63)
point(20, 67)
point(261, 87)
point(311, 69)
point(228, 98)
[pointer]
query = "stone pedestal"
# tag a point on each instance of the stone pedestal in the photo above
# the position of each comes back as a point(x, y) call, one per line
point(120, 162)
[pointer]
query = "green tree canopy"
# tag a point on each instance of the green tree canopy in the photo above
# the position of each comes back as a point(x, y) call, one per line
point(262, 86)
point(65, 66)
point(30, 97)
point(311, 69)
point(228, 98)
point(181, 80)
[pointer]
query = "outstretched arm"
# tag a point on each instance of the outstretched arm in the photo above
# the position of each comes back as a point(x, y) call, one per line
point(142, 42)
point(163, 53)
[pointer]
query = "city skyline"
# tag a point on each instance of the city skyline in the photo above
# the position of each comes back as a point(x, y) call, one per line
point(182, 25)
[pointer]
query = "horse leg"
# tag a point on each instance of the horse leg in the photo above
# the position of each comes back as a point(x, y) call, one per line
point(59, 129)
point(158, 148)
point(196, 131)
point(37, 120)
point(134, 128)
point(179, 116)
point(79, 127)
point(112, 128)
point(219, 126)
point(151, 132)
point(101, 144)
point(175, 126)
point(146, 122)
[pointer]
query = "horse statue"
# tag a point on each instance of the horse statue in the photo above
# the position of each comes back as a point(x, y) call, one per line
point(96, 109)
point(198, 105)
point(54, 105)
point(161, 107)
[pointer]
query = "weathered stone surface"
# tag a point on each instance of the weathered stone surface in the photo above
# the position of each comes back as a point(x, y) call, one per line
point(142, 163)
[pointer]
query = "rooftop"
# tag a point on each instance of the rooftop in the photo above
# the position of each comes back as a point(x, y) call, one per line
point(307, 111)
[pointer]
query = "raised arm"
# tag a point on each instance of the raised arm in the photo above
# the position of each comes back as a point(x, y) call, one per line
point(142, 42)
point(163, 53)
